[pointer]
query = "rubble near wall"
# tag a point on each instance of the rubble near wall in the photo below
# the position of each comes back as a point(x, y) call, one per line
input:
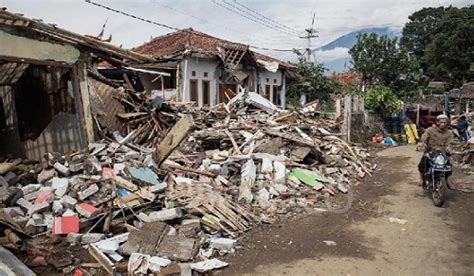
point(176, 189)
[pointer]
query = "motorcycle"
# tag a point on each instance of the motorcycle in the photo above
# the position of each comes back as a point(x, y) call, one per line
point(436, 177)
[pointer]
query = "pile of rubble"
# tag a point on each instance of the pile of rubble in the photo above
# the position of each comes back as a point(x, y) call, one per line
point(174, 207)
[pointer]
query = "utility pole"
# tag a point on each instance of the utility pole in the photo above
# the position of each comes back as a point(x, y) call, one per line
point(310, 33)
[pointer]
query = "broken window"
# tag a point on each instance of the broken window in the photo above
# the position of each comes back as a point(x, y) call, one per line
point(193, 90)
point(206, 93)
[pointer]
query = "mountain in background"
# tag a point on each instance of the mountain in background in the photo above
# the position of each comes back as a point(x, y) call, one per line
point(349, 40)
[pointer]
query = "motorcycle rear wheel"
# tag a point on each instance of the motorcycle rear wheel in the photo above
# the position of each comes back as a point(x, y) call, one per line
point(439, 192)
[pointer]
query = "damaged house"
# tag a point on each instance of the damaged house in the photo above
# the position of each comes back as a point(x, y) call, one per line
point(208, 70)
point(49, 87)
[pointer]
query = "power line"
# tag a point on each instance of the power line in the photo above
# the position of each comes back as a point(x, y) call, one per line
point(280, 29)
point(170, 27)
point(263, 16)
point(132, 16)
point(249, 18)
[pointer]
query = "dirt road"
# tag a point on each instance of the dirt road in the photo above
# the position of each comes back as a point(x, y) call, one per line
point(434, 241)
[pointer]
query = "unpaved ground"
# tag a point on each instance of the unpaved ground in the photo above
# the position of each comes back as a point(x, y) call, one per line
point(434, 241)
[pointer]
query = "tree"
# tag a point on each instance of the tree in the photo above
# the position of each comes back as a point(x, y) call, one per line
point(382, 100)
point(450, 53)
point(418, 32)
point(381, 61)
point(312, 82)
point(441, 39)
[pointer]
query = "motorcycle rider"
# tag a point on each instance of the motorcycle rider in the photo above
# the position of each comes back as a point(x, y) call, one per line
point(436, 137)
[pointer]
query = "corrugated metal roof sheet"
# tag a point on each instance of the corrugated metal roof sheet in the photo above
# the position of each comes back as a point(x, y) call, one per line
point(10, 72)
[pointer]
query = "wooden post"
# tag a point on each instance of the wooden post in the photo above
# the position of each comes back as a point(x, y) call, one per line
point(418, 115)
point(338, 107)
point(162, 86)
point(81, 99)
point(348, 116)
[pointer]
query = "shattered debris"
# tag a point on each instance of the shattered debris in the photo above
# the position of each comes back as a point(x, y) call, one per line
point(165, 201)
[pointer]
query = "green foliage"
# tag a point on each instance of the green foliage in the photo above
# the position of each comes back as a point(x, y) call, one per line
point(381, 61)
point(312, 82)
point(441, 38)
point(382, 100)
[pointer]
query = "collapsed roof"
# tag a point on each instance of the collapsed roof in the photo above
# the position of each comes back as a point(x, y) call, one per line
point(191, 40)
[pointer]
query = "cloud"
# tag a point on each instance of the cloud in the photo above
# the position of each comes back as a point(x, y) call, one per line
point(333, 19)
point(333, 54)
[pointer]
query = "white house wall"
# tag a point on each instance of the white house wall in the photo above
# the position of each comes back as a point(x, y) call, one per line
point(200, 66)
point(273, 79)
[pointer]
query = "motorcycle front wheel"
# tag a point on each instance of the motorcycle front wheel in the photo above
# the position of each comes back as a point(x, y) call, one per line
point(439, 191)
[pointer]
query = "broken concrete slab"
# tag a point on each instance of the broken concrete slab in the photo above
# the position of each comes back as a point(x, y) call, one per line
point(60, 186)
point(166, 214)
point(177, 248)
point(224, 244)
point(146, 239)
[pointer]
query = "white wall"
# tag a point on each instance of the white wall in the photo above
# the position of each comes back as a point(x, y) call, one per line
point(273, 79)
point(199, 65)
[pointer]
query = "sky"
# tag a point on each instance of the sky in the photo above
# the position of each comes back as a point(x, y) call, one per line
point(288, 19)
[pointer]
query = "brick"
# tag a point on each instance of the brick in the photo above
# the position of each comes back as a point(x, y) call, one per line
point(24, 204)
point(76, 167)
point(107, 173)
point(86, 210)
point(65, 224)
point(92, 189)
point(38, 208)
point(46, 175)
point(63, 170)
point(68, 201)
point(47, 196)
point(30, 188)
point(92, 238)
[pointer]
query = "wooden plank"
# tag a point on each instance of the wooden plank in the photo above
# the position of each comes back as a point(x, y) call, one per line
point(102, 259)
point(289, 137)
point(174, 137)
point(186, 169)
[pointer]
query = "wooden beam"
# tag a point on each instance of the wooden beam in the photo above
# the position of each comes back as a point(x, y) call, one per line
point(174, 137)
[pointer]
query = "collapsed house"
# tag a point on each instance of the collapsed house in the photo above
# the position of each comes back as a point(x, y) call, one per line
point(49, 85)
point(173, 193)
point(208, 70)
